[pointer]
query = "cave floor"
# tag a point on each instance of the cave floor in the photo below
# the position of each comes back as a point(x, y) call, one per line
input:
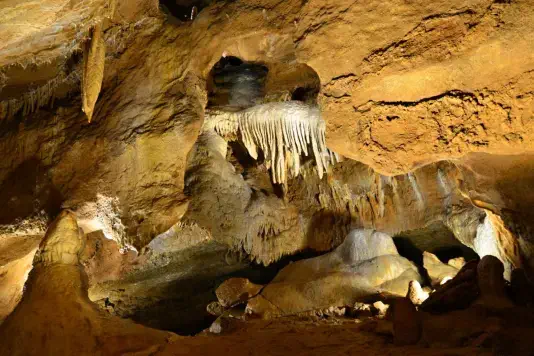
point(290, 336)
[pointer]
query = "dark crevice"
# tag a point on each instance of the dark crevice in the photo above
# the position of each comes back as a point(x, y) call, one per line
point(184, 10)
point(435, 238)
point(234, 84)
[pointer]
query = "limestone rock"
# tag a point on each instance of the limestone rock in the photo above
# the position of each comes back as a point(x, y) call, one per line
point(521, 289)
point(93, 70)
point(458, 293)
point(62, 243)
point(236, 290)
point(357, 270)
point(360, 310)
point(437, 270)
point(490, 277)
point(406, 323)
point(457, 262)
point(219, 325)
point(416, 294)
point(55, 316)
point(215, 308)
point(16, 257)
point(381, 308)
point(457, 328)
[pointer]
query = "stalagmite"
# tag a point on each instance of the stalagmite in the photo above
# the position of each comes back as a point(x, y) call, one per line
point(283, 131)
point(416, 294)
point(93, 70)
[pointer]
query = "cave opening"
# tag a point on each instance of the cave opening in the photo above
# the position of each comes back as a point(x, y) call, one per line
point(435, 238)
point(184, 10)
point(234, 84)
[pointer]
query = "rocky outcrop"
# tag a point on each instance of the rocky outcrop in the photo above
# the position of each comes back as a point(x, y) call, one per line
point(55, 316)
point(236, 290)
point(438, 272)
point(16, 256)
point(129, 149)
point(365, 265)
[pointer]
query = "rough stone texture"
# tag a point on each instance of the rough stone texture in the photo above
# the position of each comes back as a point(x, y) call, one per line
point(55, 315)
point(16, 256)
point(437, 270)
point(167, 286)
point(236, 290)
point(416, 294)
point(457, 293)
point(124, 173)
point(125, 166)
point(366, 264)
point(457, 263)
point(406, 323)
point(402, 86)
point(521, 288)
point(436, 82)
point(490, 277)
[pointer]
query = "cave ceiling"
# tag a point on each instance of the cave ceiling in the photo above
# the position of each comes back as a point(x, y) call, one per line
point(194, 138)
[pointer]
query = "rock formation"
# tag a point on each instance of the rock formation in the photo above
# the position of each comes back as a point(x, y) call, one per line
point(363, 266)
point(438, 272)
point(55, 315)
point(198, 144)
point(281, 131)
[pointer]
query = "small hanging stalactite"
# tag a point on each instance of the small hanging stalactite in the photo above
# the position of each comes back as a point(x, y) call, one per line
point(94, 55)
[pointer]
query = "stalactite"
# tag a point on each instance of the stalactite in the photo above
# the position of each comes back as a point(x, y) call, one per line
point(283, 131)
point(37, 98)
point(93, 70)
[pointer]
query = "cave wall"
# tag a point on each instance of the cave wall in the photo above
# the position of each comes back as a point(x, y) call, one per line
point(431, 104)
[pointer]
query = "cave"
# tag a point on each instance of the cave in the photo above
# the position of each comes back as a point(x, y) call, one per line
point(183, 10)
point(266, 177)
point(237, 84)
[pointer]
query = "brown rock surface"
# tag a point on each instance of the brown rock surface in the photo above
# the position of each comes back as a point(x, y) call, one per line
point(55, 315)
point(365, 265)
point(406, 323)
point(437, 270)
point(402, 86)
point(458, 293)
point(491, 283)
point(16, 256)
point(236, 290)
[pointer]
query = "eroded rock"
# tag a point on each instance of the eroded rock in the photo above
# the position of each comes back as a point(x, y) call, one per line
point(416, 294)
point(458, 293)
point(366, 264)
point(437, 270)
point(406, 323)
point(236, 290)
point(490, 277)
point(55, 316)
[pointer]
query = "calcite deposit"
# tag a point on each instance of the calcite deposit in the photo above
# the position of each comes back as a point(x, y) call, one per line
point(196, 165)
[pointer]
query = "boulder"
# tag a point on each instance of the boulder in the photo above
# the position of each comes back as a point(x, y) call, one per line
point(458, 293)
point(490, 276)
point(235, 291)
point(521, 289)
point(406, 323)
point(381, 308)
point(457, 262)
point(416, 294)
point(215, 308)
point(365, 265)
point(437, 270)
